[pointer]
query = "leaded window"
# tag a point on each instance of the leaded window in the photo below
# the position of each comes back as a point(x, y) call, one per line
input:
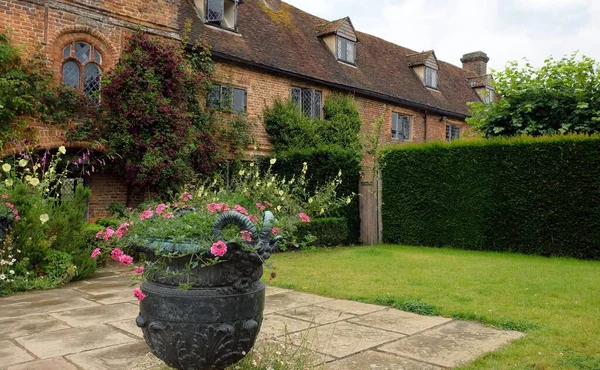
point(215, 10)
point(308, 101)
point(228, 98)
point(401, 127)
point(346, 50)
point(222, 13)
point(452, 132)
point(81, 68)
point(431, 77)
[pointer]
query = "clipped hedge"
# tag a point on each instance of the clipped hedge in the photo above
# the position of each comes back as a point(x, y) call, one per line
point(324, 163)
point(329, 232)
point(526, 195)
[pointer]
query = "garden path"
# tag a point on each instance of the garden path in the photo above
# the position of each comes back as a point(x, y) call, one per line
point(91, 325)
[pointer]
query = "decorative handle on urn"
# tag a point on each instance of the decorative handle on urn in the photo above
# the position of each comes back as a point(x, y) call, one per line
point(232, 218)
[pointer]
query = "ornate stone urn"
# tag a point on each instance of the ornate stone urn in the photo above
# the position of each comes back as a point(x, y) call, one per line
point(214, 321)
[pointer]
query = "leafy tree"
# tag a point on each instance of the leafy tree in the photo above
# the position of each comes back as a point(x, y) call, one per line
point(561, 97)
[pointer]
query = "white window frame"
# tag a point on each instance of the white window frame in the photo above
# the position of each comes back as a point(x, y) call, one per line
point(401, 127)
point(342, 53)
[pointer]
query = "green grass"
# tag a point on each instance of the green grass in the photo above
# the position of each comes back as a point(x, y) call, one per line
point(555, 301)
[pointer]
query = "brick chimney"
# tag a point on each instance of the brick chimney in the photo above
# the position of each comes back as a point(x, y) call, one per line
point(274, 4)
point(476, 62)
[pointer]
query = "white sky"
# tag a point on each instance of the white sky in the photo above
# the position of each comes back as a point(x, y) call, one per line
point(505, 29)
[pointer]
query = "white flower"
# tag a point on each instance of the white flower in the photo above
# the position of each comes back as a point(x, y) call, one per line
point(310, 200)
point(242, 172)
point(12, 272)
point(273, 161)
point(2, 277)
point(280, 192)
point(322, 211)
point(28, 178)
point(44, 218)
point(251, 164)
point(34, 181)
point(278, 208)
point(62, 149)
point(348, 200)
point(8, 182)
point(340, 173)
point(23, 163)
point(6, 167)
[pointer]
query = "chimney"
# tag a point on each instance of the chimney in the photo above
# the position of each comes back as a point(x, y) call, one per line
point(476, 62)
point(274, 4)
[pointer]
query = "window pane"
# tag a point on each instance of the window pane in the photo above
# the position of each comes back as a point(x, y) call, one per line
point(317, 105)
point(215, 10)
point(406, 128)
point(448, 133)
point(394, 125)
point(434, 78)
point(239, 100)
point(227, 97)
point(91, 77)
point(307, 102)
point(341, 48)
point(82, 52)
point(350, 52)
point(67, 51)
point(296, 97)
point(71, 74)
point(97, 57)
point(214, 96)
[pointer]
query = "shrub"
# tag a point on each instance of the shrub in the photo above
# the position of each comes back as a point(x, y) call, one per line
point(328, 231)
point(535, 196)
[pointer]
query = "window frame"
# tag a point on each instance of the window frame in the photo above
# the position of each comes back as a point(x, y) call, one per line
point(489, 96)
point(222, 22)
point(95, 54)
point(431, 77)
point(222, 104)
point(316, 110)
point(345, 42)
point(406, 120)
point(453, 132)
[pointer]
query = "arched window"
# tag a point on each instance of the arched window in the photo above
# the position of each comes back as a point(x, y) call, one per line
point(81, 67)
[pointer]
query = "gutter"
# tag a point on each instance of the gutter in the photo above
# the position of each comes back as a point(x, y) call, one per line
point(367, 93)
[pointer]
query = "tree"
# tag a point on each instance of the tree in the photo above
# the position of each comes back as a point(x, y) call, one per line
point(561, 97)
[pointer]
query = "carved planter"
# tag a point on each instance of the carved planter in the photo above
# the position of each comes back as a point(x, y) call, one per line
point(214, 321)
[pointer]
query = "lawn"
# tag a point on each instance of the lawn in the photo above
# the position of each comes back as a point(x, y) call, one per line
point(555, 301)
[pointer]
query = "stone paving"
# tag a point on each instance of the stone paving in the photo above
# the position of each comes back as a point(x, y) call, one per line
point(90, 325)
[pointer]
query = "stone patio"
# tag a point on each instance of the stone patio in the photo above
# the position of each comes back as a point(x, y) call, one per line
point(90, 325)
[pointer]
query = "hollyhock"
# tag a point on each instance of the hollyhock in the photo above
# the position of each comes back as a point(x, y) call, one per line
point(161, 208)
point(116, 254)
point(240, 209)
point(108, 233)
point(139, 270)
point(138, 294)
point(218, 249)
point(96, 253)
point(125, 260)
point(304, 217)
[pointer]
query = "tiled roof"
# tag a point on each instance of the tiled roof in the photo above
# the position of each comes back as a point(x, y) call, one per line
point(286, 42)
point(330, 27)
point(417, 59)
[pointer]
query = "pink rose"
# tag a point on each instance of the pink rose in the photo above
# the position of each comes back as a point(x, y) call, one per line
point(304, 217)
point(138, 294)
point(161, 208)
point(260, 206)
point(139, 270)
point(218, 249)
point(108, 233)
point(99, 234)
point(125, 260)
point(96, 253)
point(10, 205)
point(116, 254)
point(275, 231)
point(240, 209)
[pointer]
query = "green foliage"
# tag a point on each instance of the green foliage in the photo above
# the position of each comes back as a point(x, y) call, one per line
point(109, 222)
point(330, 232)
point(26, 89)
point(325, 163)
point(526, 195)
point(117, 209)
point(561, 97)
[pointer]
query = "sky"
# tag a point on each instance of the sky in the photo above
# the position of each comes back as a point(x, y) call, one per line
point(507, 30)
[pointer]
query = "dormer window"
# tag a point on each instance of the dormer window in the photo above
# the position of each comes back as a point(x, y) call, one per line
point(431, 78)
point(346, 50)
point(220, 13)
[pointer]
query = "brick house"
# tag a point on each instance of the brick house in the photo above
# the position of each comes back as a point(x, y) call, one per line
point(263, 50)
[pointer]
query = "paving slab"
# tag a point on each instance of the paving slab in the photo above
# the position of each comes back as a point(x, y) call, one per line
point(50, 364)
point(342, 338)
point(100, 288)
point(270, 290)
point(126, 295)
point(109, 358)
point(275, 325)
point(98, 315)
point(30, 298)
point(45, 306)
point(373, 360)
point(128, 326)
point(352, 307)
point(316, 314)
point(12, 328)
point(74, 340)
point(400, 321)
point(11, 354)
point(452, 344)
point(288, 300)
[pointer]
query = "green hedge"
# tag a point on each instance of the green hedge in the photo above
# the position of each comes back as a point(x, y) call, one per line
point(324, 163)
point(526, 195)
point(330, 232)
